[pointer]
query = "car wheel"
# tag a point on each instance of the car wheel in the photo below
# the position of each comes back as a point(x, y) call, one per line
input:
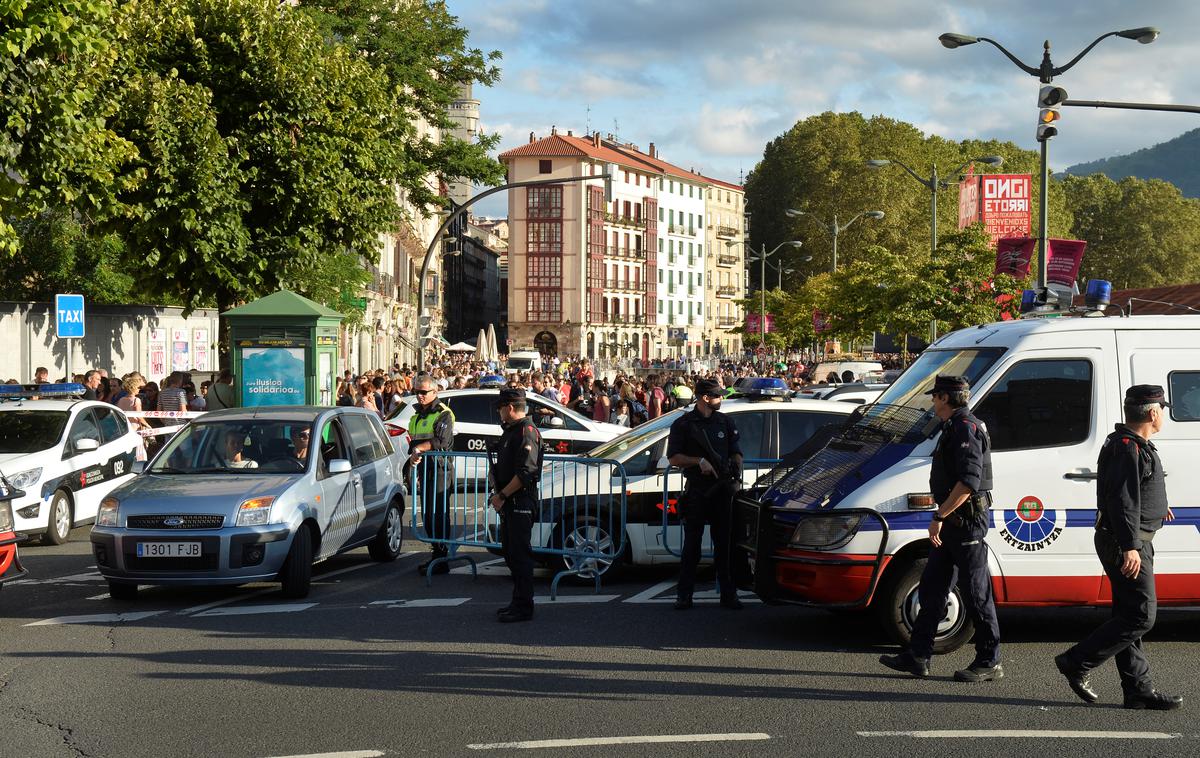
point(58, 529)
point(296, 574)
point(122, 591)
point(387, 543)
point(589, 536)
point(896, 606)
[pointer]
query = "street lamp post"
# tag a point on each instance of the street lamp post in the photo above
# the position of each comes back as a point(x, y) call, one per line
point(1045, 74)
point(762, 283)
point(933, 183)
point(834, 228)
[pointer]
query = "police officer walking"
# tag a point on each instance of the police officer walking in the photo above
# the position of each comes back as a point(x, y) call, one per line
point(516, 469)
point(961, 482)
point(704, 443)
point(1131, 505)
point(432, 429)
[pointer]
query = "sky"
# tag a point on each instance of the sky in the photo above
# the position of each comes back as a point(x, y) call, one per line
point(711, 83)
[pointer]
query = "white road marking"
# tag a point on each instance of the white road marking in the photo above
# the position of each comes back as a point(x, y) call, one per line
point(199, 609)
point(566, 599)
point(483, 567)
point(345, 754)
point(251, 610)
point(89, 576)
point(636, 740)
point(1024, 733)
point(98, 618)
point(648, 596)
point(433, 602)
point(706, 596)
point(101, 596)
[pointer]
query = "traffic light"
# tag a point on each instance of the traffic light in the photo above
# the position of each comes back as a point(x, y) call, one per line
point(1050, 98)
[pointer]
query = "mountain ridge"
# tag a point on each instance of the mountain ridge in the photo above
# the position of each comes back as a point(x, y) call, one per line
point(1176, 161)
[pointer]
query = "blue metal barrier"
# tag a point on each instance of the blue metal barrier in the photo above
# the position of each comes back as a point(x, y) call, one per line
point(673, 488)
point(579, 523)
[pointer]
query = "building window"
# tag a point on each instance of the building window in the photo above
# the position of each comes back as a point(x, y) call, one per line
point(544, 306)
point(660, 307)
point(545, 167)
point(544, 271)
point(544, 202)
point(660, 276)
point(544, 238)
point(660, 215)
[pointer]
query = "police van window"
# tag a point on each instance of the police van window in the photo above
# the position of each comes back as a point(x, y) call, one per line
point(541, 413)
point(110, 425)
point(363, 446)
point(796, 428)
point(1045, 403)
point(475, 408)
point(750, 433)
point(84, 428)
point(1183, 393)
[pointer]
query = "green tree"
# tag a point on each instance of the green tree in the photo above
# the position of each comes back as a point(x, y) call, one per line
point(59, 255)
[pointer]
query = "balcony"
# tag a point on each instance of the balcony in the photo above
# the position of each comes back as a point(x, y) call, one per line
point(728, 322)
point(686, 231)
point(631, 221)
point(726, 232)
point(726, 290)
point(623, 252)
point(625, 318)
point(727, 260)
point(624, 286)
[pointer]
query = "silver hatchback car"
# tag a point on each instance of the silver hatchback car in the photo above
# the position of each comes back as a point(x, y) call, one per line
point(244, 495)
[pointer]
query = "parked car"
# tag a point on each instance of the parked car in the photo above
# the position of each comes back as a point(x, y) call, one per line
point(244, 495)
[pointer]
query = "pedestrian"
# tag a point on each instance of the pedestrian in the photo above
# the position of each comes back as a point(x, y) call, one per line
point(41, 375)
point(961, 482)
point(432, 428)
point(91, 382)
point(132, 402)
point(220, 392)
point(172, 397)
point(516, 468)
point(704, 443)
point(601, 404)
point(1131, 506)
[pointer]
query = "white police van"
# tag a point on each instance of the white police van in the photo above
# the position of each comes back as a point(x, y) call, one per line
point(848, 527)
point(65, 453)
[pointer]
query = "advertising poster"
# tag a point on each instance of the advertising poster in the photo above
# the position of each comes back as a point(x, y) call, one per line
point(968, 199)
point(1013, 256)
point(157, 355)
point(820, 322)
point(1003, 202)
point(200, 350)
point(1062, 261)
point(272, 376)
point(753, 326)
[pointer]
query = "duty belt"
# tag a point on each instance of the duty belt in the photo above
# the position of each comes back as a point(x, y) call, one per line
point(1142, 535)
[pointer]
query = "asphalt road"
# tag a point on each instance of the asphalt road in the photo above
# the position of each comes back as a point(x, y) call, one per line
point(376, 663)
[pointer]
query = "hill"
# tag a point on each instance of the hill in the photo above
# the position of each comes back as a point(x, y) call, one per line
point(1176, 161)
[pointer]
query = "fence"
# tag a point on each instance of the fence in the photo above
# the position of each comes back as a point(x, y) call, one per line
point(579, 522)
point(673, 488)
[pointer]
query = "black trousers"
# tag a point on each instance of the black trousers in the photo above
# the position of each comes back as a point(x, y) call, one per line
point(516, 527)
point(435, 508)
point(962, 557)
point(1134, 607)
point(712, 506)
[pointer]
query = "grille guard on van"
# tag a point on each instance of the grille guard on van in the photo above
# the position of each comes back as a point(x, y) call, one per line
point(761, 538)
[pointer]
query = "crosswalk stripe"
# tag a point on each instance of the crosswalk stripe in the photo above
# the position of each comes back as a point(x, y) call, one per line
point(96, 618)
point(252, 610)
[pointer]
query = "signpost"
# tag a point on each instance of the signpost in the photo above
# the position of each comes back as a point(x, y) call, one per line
point(68, 323)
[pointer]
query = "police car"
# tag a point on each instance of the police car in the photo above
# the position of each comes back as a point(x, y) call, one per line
point(770, 425)
point(65, 453)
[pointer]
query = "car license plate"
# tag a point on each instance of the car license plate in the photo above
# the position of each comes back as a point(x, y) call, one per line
point(168, 550)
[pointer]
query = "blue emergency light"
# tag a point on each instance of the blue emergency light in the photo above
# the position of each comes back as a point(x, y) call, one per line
point(1028, 301)
point(763, 386)
point(491, 381)
point(25, 391)
point(1098, 294)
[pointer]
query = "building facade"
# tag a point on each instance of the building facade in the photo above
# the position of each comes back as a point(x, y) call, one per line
point(725, 267)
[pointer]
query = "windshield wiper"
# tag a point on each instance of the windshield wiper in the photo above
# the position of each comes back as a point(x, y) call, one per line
point(168, 470)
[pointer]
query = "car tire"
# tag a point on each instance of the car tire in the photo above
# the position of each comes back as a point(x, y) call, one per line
point(386, 547)
point(60, 519)
point(122, 591)
point(896, 608)
point(589, 531)
point(296, 574)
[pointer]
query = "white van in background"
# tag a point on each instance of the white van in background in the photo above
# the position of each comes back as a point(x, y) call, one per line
point(523, 361)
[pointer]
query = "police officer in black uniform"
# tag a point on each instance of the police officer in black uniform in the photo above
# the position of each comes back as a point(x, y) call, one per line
point(516, 469)
point(961, 482)
point(704, 443)
point(1131, 505)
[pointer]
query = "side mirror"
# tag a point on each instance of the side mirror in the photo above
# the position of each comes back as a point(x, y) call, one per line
point(138, 467)
point(556, 423)
point(663, 464)
point(339, 466)
point(86, 444)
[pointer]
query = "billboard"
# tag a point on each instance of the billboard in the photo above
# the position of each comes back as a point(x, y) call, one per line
point(272, 376)
point(1003, 202)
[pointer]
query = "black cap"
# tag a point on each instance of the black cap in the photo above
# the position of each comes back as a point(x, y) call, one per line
point(708, 387)
point(1145, 394)
point(510, 395)
point(949, 383)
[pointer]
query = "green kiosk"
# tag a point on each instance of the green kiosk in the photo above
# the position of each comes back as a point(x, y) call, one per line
point(284, 350)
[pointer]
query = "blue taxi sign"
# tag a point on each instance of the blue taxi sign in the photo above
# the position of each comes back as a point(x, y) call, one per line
point(68, 316)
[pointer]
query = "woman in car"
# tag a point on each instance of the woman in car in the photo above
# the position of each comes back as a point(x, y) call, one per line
point(234, 443)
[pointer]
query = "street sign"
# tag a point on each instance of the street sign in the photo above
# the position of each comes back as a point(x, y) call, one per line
point(68, 316)
point(509, 341)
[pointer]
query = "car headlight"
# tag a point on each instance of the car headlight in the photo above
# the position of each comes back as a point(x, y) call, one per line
point(825, 532)
point(6, 517)
point(25, 479)
point(255, 512)
point(107, 515)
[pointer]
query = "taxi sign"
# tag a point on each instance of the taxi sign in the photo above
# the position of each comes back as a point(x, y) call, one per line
point(68, 316)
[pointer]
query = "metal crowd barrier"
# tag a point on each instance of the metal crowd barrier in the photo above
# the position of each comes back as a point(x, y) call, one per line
point(580, 517)
point(673, 488)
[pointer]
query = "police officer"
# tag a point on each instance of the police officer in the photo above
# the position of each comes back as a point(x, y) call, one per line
point(432, 428)
point(961, 482)
point(1131, 505)
point(704, 443)
point(516, 469)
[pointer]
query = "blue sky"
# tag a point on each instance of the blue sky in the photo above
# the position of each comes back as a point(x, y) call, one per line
point(710, 83)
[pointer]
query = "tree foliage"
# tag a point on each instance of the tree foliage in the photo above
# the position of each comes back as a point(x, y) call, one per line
point(59, 255)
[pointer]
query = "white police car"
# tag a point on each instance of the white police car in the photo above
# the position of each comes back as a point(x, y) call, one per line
point(65, 453)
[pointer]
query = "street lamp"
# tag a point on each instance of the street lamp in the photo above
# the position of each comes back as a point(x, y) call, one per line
point(1045, 73)
point(933, 183)
point(834, 228)
point(762, 282)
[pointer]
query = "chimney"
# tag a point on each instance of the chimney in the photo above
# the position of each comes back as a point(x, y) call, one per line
point(653, 152)
point(531, 139)
point(596, 139)
point(553, 130)
point(570, 133)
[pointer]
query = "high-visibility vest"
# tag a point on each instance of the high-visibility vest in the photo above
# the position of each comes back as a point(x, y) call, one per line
point(421, 426)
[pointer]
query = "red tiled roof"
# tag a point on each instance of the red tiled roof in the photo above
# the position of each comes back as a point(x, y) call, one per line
point(720, 183)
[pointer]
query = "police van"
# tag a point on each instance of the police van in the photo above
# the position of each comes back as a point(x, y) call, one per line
point(65, 453)
point(848, 527)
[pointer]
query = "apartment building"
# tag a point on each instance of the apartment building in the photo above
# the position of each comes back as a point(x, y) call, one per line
point(725, 266)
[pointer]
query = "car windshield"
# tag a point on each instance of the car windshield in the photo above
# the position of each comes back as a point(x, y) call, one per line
point(31, 431)
point(908, 391)
point(400, 406)
point(237, 446)
point(633, 439)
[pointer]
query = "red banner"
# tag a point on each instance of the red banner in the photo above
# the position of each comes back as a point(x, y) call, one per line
point(968, 199)
point(820, 322)
point(1003, 202)
point(1013, 256)
point(754, 327)
point(1064, 257)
